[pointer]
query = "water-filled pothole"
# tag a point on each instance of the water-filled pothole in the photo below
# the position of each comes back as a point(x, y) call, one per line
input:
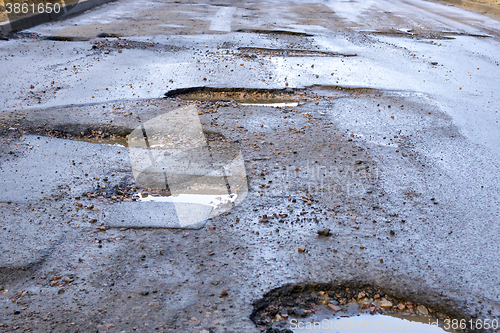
point(242, 95)
point(423, 34)
point(214, 200)
point(214, 139)
point(366, 323)
point(111, 140)
point(307, 309)
point(201, 174)
point(275, 32)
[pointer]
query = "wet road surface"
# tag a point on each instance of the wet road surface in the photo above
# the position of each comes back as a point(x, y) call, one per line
point(389, 139)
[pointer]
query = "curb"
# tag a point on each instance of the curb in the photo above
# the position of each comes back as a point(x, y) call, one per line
point(37, 19)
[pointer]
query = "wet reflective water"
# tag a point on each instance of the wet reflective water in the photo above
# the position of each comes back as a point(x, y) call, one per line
point(216, 201)
point(366, 323)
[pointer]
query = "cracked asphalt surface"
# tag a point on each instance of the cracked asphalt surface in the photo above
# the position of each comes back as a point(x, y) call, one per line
point(390, 139)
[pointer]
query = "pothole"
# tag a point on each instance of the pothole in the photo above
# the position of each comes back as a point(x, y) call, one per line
point(318, 308)
point(293, 52)
point(67, 38)
point(216, 201)
point(117, 43)
point(268, 97)
point(339, 91)
point(187, 175)
point(275, 32)
point(243, 95)
point(109, 35)
point(208, 190)
point(367, 323)
point(409, 34)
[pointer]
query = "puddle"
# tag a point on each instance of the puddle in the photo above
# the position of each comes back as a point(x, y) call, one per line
point(215, 201)
point(293, 52)
point(366, 323)
point(201, 173)
point(453, 33)
point(110, 141)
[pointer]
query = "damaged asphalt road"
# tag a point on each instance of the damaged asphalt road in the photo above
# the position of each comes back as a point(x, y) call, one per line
point(370, 148)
